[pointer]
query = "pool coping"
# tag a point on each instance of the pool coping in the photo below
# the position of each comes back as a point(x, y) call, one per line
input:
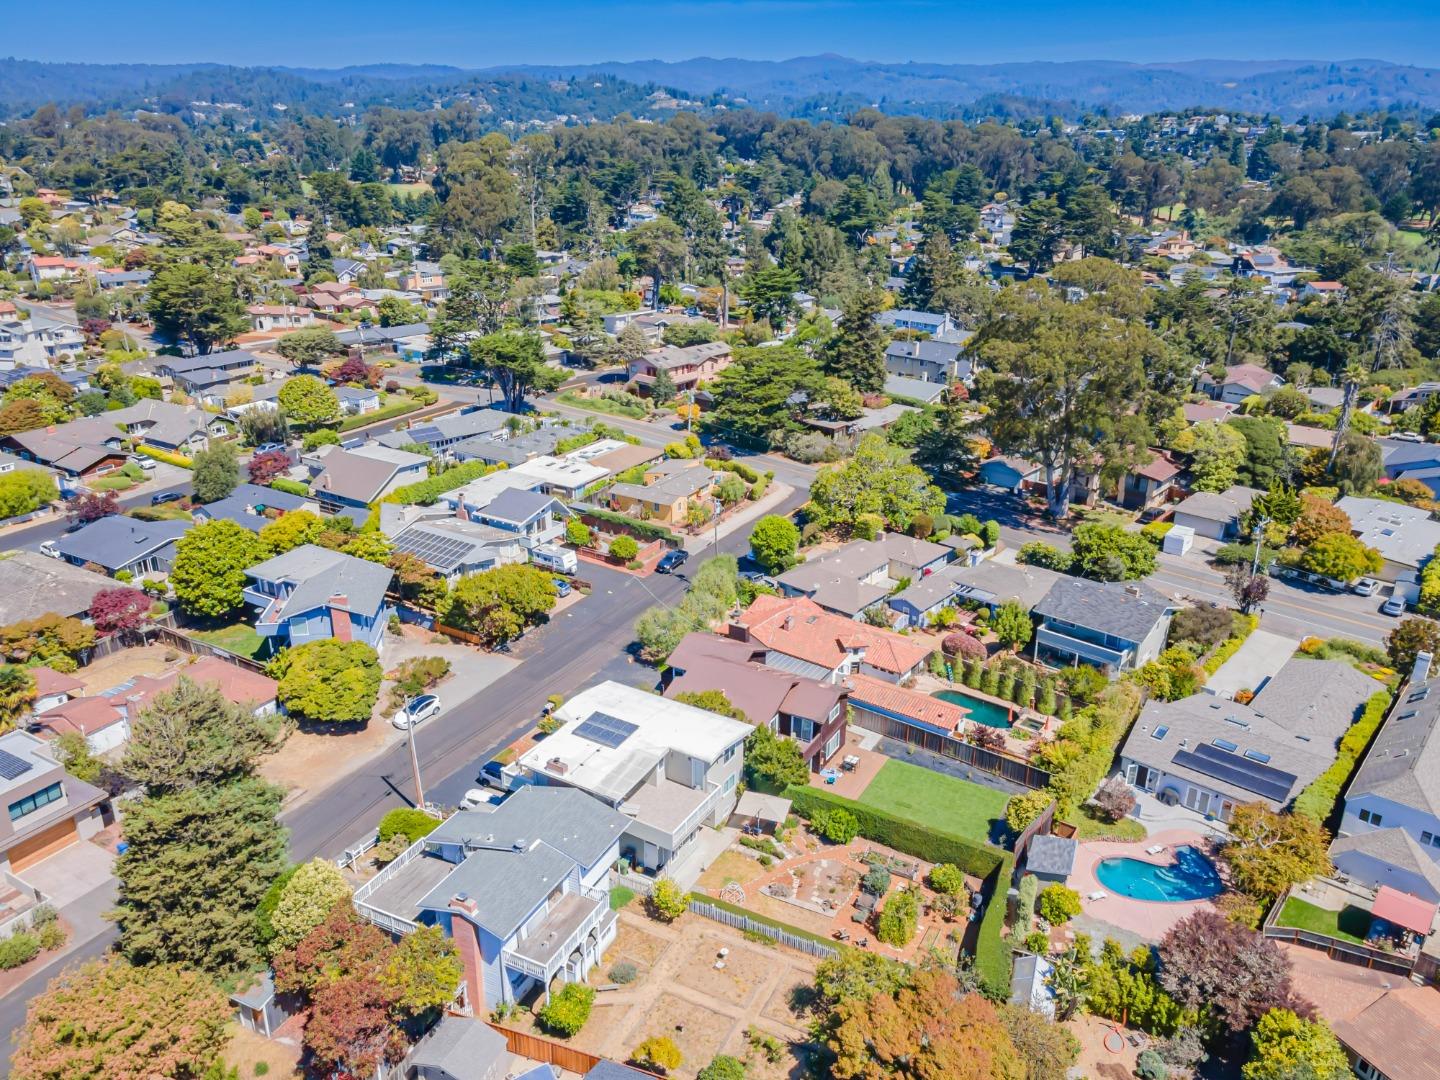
point(1150, 919)
point(1159, 859)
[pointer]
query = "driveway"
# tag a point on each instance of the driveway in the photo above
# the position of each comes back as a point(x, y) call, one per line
point(1262, 655)
point(68, 875)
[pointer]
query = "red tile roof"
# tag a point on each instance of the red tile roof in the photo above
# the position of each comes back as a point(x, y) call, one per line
point(865, 690)
point(801, 628)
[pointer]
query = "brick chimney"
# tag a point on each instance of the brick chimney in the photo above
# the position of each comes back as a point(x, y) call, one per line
point(467, 941)
point(340, 619)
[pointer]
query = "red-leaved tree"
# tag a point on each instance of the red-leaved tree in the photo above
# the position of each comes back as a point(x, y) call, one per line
point(350, 1032)
point(1207, 960)
point(114, 611)
point(83, 509)
point(354, 370)
point(267, 466)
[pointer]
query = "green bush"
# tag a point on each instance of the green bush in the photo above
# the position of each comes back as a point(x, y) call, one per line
point(407, 822)
point(52, 936)
point(836, 825)
point(1244, 626)
point(426, 492)
point(568, 1009)
point(1037, 942)
point(290, 487)
point(624, 547)
point(898, 919)
point(1059, 904)
point(19, 948)
point(1027, 891)
point(164, 455)
point(648, 530)
point(947, 878)
point(1156, 530)
point(1039, 553)
point(1081, 754)
point(1318, 799)
point(385, 412)
point(623, 973)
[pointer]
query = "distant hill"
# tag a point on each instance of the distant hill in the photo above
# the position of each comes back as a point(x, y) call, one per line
point(805, 86)
point(1288, 87)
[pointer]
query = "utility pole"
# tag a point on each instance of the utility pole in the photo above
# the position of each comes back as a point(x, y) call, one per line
point(415, 767)
point(1260, 526)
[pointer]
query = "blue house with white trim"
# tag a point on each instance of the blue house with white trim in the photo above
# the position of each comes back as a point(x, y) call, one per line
point(310, 593)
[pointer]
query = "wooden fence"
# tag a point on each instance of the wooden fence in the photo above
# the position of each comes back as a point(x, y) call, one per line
point(1344, 951)
point(736, 921)
point(537, 1048)
point(1005, 766)
point(175, 639)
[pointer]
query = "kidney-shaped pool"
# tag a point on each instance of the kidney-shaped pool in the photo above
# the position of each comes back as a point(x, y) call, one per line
point(1190, 877)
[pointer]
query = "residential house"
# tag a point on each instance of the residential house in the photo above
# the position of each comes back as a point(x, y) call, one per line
point(1406, 536)
point(253, 507)
point(1010, 472)
point(357, 400)
point(1153, 484)
point(427, 280)
point(207, 379)
point(800, 636)
point(452, 547)
point(109, 280)
point(900, 386)
point(334, 298)
point(265, 318)
point(119, 543)
point(510, 452)
point(461, 1048)
point(179, 429)
point(104, 720)
point(668, 492)
point(58, 268)
point(869, 420)
point(1216, 515)
point(669, 768)
point(53, 688)
point(364, 475)
point(347, 271)
point(807, 710)
point(1324, 290)
point(1175, 245)
point(310, 593)
point(1239, 382)
point(617, 457)
point(262, 398)
point(931, 361)
point(1393, 1036)
point(861, 574)
point(1411, 461)
point(376, 339)
point(32, 585)
point(49, 810)
point(1209, 754)
point(440, 434)
point(1113, 625)
point(523, 890)
point(39, 339)
point(924, 322)
point(687, 367)
point(970, 580)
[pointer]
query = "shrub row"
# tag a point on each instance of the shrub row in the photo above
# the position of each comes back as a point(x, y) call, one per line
point(385, 412)
point(913, 838)
point(1318, 799)
point(290, 487)
point(1083, 751)
point(747, 473)
point(164, 455)
point(992, 954)
point(647, 530)
point(424, 492)
point(1231, 645)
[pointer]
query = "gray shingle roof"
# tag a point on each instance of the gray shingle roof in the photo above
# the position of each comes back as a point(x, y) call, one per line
point(517, 506)
point(462, 1047)
point(319, 574)
point(1126, 610)
point(1403, 764)
point(1395, 847)
point(531, 842)
point(1051, 855)
point(115, 542)
point(31, 585)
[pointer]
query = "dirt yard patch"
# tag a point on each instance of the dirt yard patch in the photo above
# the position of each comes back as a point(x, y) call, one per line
point(743, 973)
point(795, 989)
point(310, 760)
point(730, 866)
point(247, 1049)
point(634, 944)
point(110, 671)
point(757, 1063)
point(699, 1033)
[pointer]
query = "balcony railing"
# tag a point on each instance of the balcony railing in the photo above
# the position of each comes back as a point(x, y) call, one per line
point(384, 919)
point(602, 915)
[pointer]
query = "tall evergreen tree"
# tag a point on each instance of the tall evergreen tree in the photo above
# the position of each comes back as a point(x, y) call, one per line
point(857, 352)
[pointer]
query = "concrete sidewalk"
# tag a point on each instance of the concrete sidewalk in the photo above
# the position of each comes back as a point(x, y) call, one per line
point(1262, 655)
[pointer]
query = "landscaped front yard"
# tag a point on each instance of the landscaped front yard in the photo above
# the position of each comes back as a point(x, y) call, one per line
point(239, 638)
point(934, 799)
point(1350, 924)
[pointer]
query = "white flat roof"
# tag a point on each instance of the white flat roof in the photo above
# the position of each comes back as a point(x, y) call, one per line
point(661, 727)
point(560, 472)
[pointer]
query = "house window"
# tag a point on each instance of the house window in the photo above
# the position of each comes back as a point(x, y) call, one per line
point(33, 802)
point(832, 744)
point(1256, 755)
point(1427, 838)
point(1370, 817)
point(729, 754)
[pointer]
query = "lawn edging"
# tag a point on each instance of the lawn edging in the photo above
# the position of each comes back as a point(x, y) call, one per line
point(992, 865)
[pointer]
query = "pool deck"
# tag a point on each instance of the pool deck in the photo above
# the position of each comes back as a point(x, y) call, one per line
point(1150, 919)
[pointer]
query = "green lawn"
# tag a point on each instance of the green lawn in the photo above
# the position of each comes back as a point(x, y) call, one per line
point(239, 638)
point(608, 406)
point(620, 896)
point(1088, 827)
point(1348, 925)
point(933, 798)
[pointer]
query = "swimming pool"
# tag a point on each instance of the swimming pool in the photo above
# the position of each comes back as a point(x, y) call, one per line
point(980, 710)
point(1190, 877)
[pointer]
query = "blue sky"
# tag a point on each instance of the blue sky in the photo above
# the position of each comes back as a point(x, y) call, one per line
point(483, 33)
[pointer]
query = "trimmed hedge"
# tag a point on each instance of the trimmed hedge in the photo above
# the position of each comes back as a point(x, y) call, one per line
point(1231, 645)
point(430, 489)
point(164, 455)
point(290, 487)
point(912, 837)
point(647, 529)
point(992, 955)
point(385, 412)
point(1318, 800)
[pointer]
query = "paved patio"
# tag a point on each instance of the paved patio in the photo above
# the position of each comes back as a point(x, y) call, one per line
point(852, 784)
point(1149, 920)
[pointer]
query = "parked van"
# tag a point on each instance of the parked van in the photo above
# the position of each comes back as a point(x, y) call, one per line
point(556, 558)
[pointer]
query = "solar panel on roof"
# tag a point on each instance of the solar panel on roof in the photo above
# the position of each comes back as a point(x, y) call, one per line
point(609, 731)
point(442, 552)
point(425, 434)
point(1263, 780)
point(12, 766)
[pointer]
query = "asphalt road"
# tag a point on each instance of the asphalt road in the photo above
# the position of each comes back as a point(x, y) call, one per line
point(30, 537)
